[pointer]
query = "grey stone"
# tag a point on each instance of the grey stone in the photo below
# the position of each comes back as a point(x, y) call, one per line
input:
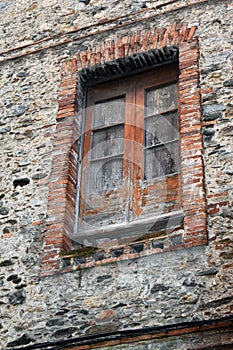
point(189, 282)
point(158, 287)
point(5, 130)
point(211, 68)
point(55, 322)
point(26, 87)
point(17, 298)
point(103, 328)
point(6, 90)
point(208, 132)
point(158, 244)
point(228, 82)
point(136, 248)
point(64, 332)
point(218, 58)
point(17, 110)
point(228, 131)
point(25, 220)
point(84, 312)
point(4, 5)
point(229, 213)
point(84, 325)
point(86, 2)
point(24, 162)
point(25, 231)
point(8, 104)
point(103, 278)
point(39, 176)
point(227, 255)
point(209, 97)
point(23, 340)
point(11, 74)
point(29, 261)
point(119, 305)
point(117, 252)
point(21, 152)
point(216, 303)
point(176, 240)
point(212, 116)
point(206, 272)
point(22, 74)
point(4, 211)
point(78, 261)
point(99, 256)
point(213, 108)
point(65, 262)
point(62, 312)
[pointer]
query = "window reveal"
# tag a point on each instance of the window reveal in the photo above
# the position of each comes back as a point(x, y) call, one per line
point(130, 165)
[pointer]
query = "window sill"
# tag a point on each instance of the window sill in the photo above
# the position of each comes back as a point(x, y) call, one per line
point(125, 233)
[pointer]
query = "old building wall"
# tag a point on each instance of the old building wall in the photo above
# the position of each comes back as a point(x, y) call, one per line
point(171, 287)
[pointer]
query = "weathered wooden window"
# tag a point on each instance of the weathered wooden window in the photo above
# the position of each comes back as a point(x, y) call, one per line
point(130, 163)
point(161, 131)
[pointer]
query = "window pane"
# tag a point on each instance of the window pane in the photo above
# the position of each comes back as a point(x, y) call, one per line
point(161, 100)
point(107, 142)
point(162, 128)
point(106, 174)
point(109, 112)
point(162, 160)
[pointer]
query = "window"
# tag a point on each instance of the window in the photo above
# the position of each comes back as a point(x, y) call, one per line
point(130, 177)
point(184, 196)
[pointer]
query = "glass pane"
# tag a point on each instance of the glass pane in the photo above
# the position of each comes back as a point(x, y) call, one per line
point(161, 100)
point(107, 142)
point(162, 160)
point(109, 112)
point(162, 128)
point(106, 174)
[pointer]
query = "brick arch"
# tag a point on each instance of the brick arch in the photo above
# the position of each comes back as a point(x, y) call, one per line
point(63, 179)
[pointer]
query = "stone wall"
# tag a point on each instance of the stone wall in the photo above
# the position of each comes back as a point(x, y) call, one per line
point(171, 287)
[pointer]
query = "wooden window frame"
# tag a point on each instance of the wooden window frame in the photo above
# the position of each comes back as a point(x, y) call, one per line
point(133, 88)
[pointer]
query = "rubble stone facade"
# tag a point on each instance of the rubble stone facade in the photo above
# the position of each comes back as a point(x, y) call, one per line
point(51, 292)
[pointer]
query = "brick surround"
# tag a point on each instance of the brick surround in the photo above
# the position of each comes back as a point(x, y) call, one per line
point(63, 179)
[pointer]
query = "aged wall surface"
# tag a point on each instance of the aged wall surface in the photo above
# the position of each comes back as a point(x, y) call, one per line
point(159, 289)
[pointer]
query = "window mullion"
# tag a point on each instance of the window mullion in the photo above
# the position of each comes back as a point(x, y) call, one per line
point(138, 154)
point(129, 146)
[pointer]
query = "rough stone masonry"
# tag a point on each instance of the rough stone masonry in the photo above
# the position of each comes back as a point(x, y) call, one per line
point(168, 287)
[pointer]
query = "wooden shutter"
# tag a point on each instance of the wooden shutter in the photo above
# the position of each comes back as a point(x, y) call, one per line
point(158, 188)
point(105, 193)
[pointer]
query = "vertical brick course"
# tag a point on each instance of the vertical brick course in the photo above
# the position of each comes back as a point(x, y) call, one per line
point(192, 170)
point(62, 187)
